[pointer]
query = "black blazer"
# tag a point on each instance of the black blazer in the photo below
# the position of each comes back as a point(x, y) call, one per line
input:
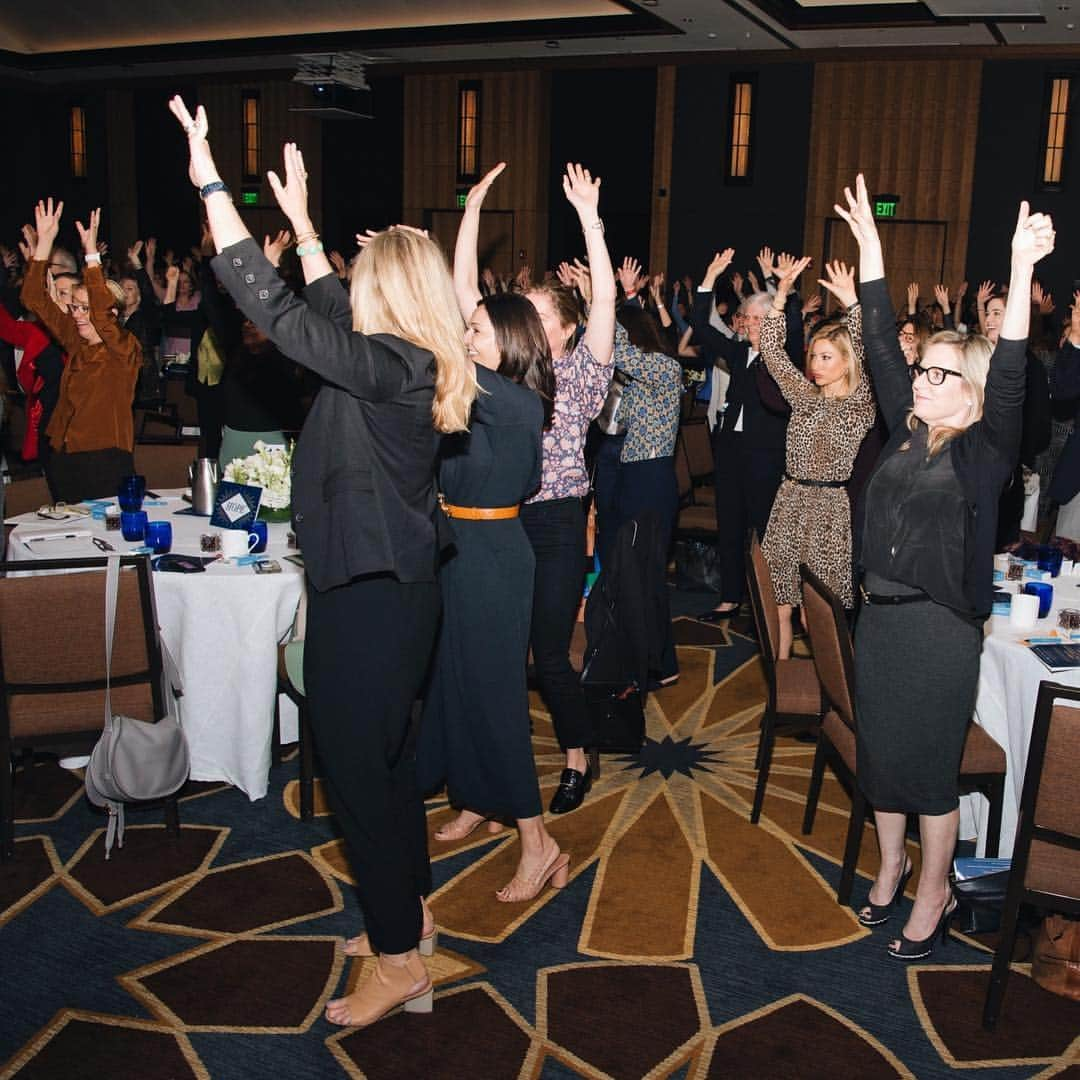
point(363, 491)
point(752, 389)
point(1065, 386)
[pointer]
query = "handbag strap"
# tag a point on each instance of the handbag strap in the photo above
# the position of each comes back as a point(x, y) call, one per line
point(112, 589)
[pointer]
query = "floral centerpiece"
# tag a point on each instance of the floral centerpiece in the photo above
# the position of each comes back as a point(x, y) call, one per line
point(269, 467)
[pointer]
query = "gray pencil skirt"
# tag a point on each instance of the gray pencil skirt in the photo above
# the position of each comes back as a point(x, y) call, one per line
point(916, 675)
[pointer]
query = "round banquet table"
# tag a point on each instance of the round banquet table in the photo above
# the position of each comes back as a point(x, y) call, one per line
point(222, 628)
point(1009, 678)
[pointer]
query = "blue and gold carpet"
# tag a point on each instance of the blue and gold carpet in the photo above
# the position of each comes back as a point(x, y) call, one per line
point(688, 944)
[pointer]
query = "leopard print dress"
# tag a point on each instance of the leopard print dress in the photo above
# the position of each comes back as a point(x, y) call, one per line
point(812, 525)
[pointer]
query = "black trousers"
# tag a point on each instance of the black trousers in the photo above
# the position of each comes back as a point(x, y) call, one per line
point(366, 654)
point(91, 474)
point(650, 487)
point(556, 530)
point(746, 482)
point(606, 487)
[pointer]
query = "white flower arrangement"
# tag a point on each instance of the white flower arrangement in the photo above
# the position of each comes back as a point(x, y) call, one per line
point(270, 468)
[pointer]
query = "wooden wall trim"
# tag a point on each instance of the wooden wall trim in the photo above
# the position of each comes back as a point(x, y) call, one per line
point(663, 141)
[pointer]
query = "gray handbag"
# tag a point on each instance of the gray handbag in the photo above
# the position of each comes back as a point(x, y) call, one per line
point(134, 760)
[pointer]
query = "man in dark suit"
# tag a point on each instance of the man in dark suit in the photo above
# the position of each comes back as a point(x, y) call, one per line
point(749, 443)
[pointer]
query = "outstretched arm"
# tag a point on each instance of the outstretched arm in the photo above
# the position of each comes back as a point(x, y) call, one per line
point(773, 334)
point(466, 278)
point(583, 194)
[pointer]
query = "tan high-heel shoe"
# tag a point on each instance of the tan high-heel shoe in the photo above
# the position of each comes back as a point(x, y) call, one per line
point(518, 891)
point(388, 986)
point(452, 831)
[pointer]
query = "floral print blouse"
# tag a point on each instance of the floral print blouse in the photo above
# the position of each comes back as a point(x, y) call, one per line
point(650, 401)
point(581, 384)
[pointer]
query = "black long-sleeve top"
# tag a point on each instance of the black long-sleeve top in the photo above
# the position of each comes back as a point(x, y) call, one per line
point(982, 458)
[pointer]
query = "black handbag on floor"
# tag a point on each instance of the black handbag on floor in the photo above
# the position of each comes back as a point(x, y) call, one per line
point(979, 901)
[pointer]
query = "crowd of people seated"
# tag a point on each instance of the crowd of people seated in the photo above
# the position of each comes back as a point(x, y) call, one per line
point(454, 425)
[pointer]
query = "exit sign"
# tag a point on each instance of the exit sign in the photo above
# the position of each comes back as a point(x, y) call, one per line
point(249, 198)
point(885, 205)
point(461, 200)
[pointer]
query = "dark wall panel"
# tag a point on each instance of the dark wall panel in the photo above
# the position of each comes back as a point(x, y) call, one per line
point(706, 213)
point(1008, 168)
point(362, 168)
point(604, 119)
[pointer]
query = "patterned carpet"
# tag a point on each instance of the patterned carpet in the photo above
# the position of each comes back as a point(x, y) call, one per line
point(688, 944)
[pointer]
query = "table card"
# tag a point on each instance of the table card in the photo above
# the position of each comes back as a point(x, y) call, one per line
point(235, 505)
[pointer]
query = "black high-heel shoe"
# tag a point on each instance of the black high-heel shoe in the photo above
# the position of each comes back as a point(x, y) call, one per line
point(879, 913)
point(918, 950)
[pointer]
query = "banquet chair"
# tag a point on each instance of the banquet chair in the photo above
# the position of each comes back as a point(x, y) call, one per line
point(25, 496)
point(794, 694)
point(697, 444)
point(52, 663)
point(982, 764)
point(1045, 866)
point(290, 682)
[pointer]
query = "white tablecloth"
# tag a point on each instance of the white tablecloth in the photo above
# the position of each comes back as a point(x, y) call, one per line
point(222, 628)
point(1009, 678)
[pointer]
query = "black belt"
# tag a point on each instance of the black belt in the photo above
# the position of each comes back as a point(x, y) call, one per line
point(816, 483)
point(892, 598)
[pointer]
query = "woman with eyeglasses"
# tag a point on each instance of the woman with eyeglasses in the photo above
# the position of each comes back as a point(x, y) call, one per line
point(91, 433)
point(954, 419)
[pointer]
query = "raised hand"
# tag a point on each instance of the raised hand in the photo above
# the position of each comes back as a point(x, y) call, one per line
point(583, 193)
point(487, 276)
point(201, 167)
point(811, 304)
point(478, 192)
point(912, 297)
point(134, 252)
point(720, 262)
point(172, 274)
point(766, 261)
point(840, 281)
point(274, 249)
point(206, 240)
point(628, 275)
point(656, 288)
point(151, 252)
point(941, 294)
point(337, 261)
point(46, 225)
point(960, 292)
point(737, 282)
point(784, 262)
point(169, 257)
point(565, 275)
point(986, 290)
point(755, 286)
point(292, 196)
point(1033, 238)
point(1047, 306)
point(792, 270)
point(89, 233)
point(9, 258)
point(858, 214)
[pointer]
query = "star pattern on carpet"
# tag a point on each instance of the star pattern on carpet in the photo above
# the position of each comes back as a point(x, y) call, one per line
point(667, 756)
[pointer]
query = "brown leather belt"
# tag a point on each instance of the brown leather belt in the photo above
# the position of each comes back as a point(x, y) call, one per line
point(479, 513)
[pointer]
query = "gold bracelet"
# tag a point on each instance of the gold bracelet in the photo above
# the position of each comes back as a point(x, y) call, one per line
point(313, 235)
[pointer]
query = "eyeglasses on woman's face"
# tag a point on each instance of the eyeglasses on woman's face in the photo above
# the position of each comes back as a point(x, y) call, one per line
point(935, 376)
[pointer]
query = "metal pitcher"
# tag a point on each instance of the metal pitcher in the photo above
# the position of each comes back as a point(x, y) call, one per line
point(203, 475)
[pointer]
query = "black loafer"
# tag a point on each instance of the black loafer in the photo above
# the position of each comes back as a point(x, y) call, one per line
point(571, 792)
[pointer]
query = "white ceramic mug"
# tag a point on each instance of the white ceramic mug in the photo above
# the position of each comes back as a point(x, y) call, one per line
point(1023, 611)
point(236, 542)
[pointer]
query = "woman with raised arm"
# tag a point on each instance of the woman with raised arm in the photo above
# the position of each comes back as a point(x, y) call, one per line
point(476, 733)
point(832, 409)
point(954, 420)
point(91, 432)
point(396, 376)
point(554, 518)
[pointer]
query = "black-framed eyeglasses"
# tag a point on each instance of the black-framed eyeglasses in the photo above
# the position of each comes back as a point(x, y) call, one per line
point(935, 376)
